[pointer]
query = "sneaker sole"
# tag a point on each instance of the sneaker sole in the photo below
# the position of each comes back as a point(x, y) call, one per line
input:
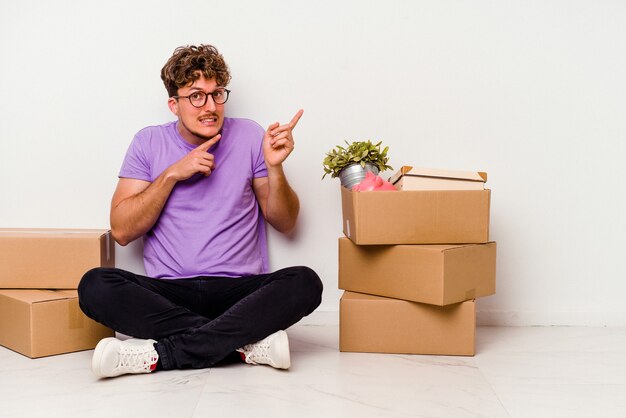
point(284, 355)
point(96, 360)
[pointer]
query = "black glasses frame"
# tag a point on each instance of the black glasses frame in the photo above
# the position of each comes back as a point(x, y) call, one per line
point(206, 97)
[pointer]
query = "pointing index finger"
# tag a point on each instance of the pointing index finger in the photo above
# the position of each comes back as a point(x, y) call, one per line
point(207, 144)
point(296, 118)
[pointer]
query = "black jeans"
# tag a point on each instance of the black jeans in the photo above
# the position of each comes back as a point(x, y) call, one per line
point(199, 321)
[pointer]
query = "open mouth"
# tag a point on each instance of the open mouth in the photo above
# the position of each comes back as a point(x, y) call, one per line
point(208, 121)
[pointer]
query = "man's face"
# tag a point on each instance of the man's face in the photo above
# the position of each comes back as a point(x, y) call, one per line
point(197, 124)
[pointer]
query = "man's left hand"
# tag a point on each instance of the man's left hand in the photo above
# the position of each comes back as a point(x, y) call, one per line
point(278, 141)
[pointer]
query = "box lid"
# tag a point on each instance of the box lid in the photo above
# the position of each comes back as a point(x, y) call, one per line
point(408, 170)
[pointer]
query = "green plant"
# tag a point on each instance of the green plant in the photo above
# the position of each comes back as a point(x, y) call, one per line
point(357, 152)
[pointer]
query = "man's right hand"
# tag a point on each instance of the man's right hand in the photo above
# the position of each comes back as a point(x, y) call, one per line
point(137, 204)
point(198, 160)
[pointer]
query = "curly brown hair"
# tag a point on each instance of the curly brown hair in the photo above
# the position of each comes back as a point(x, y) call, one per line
point(189, 63)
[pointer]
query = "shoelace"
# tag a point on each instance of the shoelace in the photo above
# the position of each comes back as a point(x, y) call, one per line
point(136, 358)
point(257, 351)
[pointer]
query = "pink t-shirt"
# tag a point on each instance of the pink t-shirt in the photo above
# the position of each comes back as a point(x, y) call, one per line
point(210, 226)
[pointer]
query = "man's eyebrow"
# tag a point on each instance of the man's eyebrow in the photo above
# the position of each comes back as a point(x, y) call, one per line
point(199, 89)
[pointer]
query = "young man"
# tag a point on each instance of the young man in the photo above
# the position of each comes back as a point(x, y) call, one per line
point(199, 191)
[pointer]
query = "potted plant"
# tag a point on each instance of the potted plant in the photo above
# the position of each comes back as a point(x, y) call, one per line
point(352, 162)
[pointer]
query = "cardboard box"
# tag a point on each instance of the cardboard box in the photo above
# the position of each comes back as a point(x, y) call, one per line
point(52, 258)
point(409, 178)
point(416, 217)
point(434, 274)
point(373, 324)
point(40, 323)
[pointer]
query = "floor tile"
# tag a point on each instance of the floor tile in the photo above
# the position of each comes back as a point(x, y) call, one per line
point(336, 399)
point(64, 386)
point(567, 401)
point(553, 368)
point(321, 367)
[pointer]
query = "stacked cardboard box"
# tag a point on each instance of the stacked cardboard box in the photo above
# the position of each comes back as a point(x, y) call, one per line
point(39, 273)
point(412, 263)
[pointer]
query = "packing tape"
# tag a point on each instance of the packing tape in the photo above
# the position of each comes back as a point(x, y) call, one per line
point(108, 244)
point(348, 227)
point(470, 294)
point(75, 315)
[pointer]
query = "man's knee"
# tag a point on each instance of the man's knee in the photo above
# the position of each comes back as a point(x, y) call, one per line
point(92, 286)
point(309, 285)
point(89, 280)
point(87, 290)
point(311, 279)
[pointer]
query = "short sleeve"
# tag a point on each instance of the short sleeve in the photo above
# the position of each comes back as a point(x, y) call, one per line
point(259, 169)
point(136, 165)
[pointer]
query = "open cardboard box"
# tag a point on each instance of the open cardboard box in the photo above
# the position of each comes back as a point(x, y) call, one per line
point(52, 258)
point(40, 323)
point(374, 324)
point(416, 217)
point(434, 274)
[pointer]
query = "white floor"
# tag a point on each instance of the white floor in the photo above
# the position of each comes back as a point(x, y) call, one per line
point(518, 372)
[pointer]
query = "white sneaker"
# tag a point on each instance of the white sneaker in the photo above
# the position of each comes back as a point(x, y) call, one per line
point(272, 350)
point(114, 357)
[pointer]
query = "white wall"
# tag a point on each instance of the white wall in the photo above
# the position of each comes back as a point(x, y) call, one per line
point(533, 92)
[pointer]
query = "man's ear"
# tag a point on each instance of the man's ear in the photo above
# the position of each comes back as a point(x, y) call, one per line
point(172, 103)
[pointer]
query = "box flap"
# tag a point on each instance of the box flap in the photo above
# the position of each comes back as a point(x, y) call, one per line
point(425, 247)
point(47, 232)
point(452, 247)
point(37, 295)
point(403, 170)
point(406, 170)
point(347, 295)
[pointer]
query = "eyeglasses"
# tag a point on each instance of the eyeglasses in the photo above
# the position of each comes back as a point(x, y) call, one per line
point(199, 98)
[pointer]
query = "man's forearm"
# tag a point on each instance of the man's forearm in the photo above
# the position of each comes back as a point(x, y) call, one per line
point(283, 205)
point(134, 216)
